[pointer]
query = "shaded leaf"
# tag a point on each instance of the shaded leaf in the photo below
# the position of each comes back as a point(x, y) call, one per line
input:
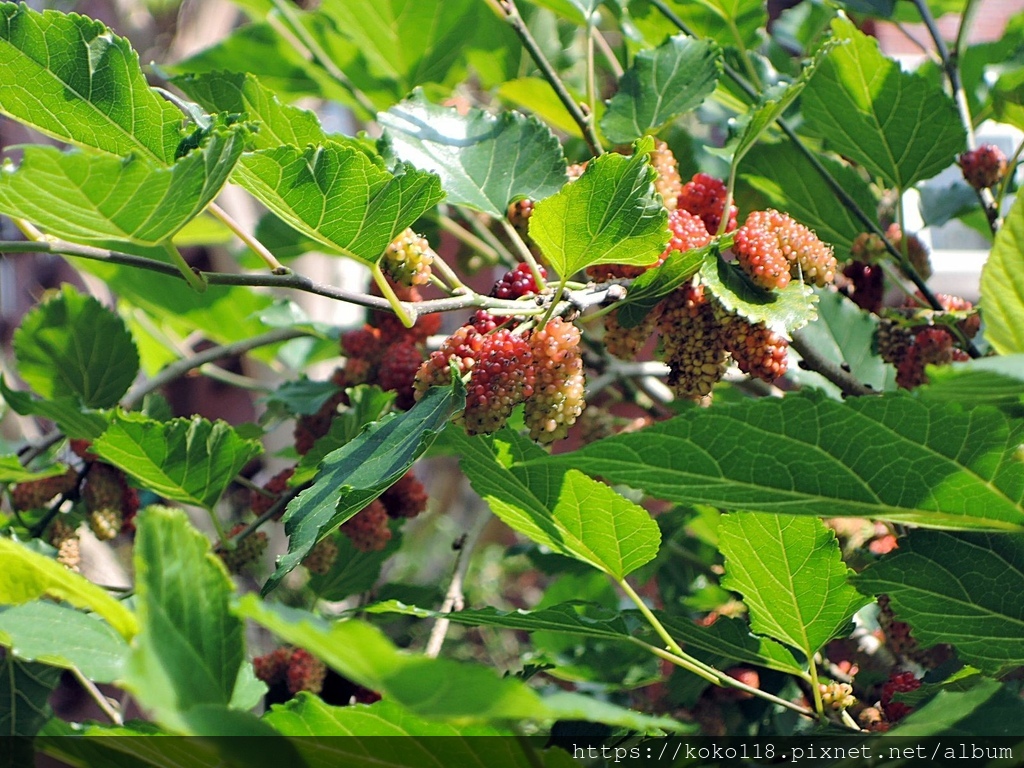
point(898, 125)
point(63, 637)
point(995, 381)
point(655, 284)
point(963, 589)
point(187, 460)
point(662, 84)
point(484, 161)
point(113, 202)
point(353, 571)
point(610, 215)
point(985, 708)
point(360, 471)
point(566, 511)
point(72, 345)
point(792, 577)
point(25, 688)
point(888, 458)
point(67, 412)
point(71, 78)
point(1002, 285)
point(190, 647)
point(338, 196)
point(27, 576)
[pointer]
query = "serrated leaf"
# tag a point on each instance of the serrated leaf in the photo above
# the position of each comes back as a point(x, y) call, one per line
point(71, 78)
point(1002, 285)
point(66, 412)
point(190, 647)
point(187, 460)
point(997, 381)
point(784, 175)
point(610, 215)
point(72, 345)
point(27, 576)
point(784, 311)
point(662, 84)
point(655, 284)
point(243, 93)
point(792, 577)
point(338, 196)
point(888, 458)
point(568, 512)
point(24, 690)
point(63, 637)
point(898, 125)
point(963, 589)
point(441, 689)
point(12, 471)
point(113, 202)
point(360, 471)
point(845, 335)
point(484, 161)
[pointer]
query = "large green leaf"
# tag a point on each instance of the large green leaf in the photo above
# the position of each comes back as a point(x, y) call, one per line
point(997, 380)
point(71, 78)
point(188, 460)
point(662, 84)
point(190, 647)
point(12, 471)
point(63, 637)
point(66, 412)
point(338, 196)
point(72, 345)
point(898, 125)
point(242, 93)
point(566, 511)
point(786, 177)
point(964, 589)
point(784, 311)
point(28, 576)
point(792, 577)
point(610, 215)
point(976, 706)
point(484, 161)
point(24, 690)
point(845, 335)
point(889, 458)
point(1002, 285)
point(441, 689)
point(361, 470)
point(113, 202)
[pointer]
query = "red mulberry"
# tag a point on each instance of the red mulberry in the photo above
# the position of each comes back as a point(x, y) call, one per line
point(397, 371)
point(558, 398)
point(704, 196)
point(405, 499)
point(983, 167)
point(368, 529)
point(756, 349)
point(517, 282)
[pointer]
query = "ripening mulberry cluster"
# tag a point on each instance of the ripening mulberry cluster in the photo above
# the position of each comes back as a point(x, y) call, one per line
point(983, 167)
point(517, 282)
point(693, 342)
point(37, 494)
point(771, 247)
point(407, 259)
point(558, 398)
point(368, 530)
point(898, 682)
point(274, 488)
point(704, 196)
point(295, 668)
point(912, 347)
point(109, 501)
point(667, 183)
point(245, 552)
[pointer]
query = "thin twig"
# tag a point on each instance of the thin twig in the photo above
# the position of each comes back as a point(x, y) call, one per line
point(585, 123)
point(96, 695)
point(454, 599)
point(524, 252)
point(815, 361)
point(463, 235)
point(273, 511)
point(250, 240)
point(607, 52)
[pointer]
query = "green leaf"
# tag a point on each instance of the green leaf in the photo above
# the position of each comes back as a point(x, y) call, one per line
point(360, 471)
point(787, 179)
point(963, 589)
point(353, 571)
point(610, 215)
point(997, 381)
point(1002, 285)
point(244, 94)
point(731, 639)
point(113, 202)
point(24, 690)
point(792, 577)
point(73, 345)
point(845, 335)
point(655, 284)
point(567, 512)
point(441, 689)
point(12, 471)
point(190, 647)
point(69, 77)
point(580, 12)
point(187, 460)
point(484, 161)
point(898, 125)
point(536, 96)
point(308, 715)
point(888, 458)
point(1007, 98)
point(784, 311)
point(986, 708)
point(662, 84)
point(27, 576)
point(734, 23)
point(66, 412)
point(338, 196)
point(63, 637)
